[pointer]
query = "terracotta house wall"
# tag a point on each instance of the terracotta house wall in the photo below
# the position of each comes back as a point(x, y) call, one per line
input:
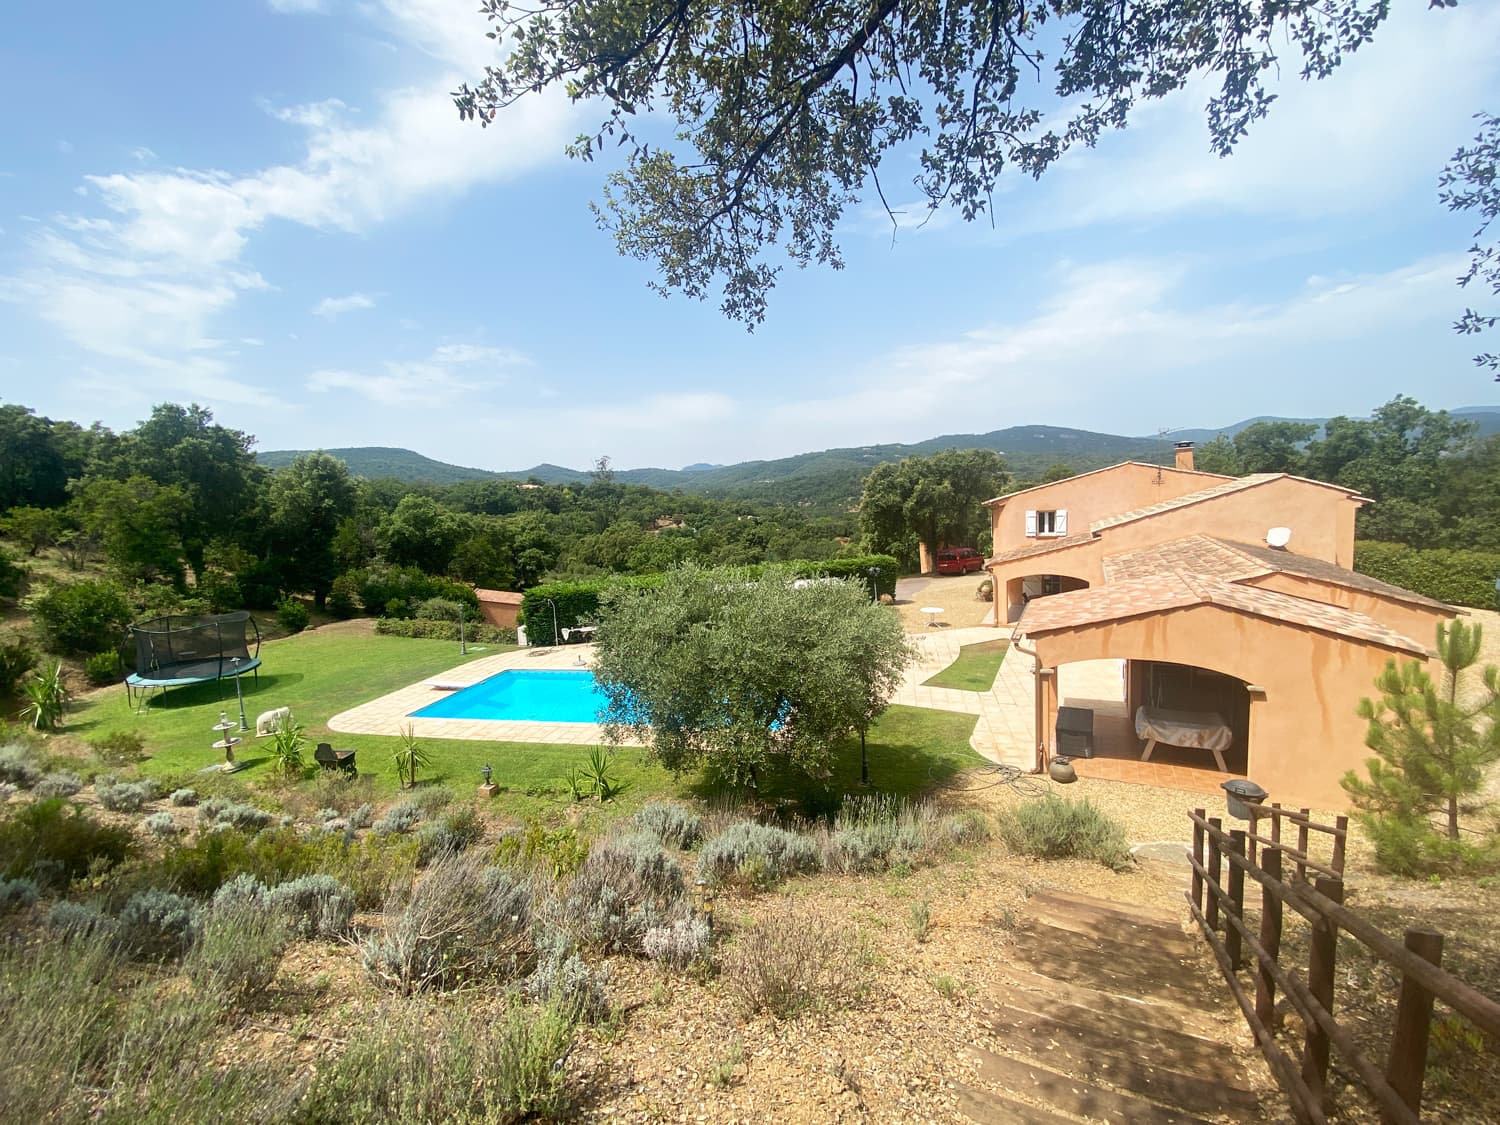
point(1083, 563)
point(1321, 519)
point(1304, 732)
point(1418, 622)
point(1093, 496)
point(499, 614)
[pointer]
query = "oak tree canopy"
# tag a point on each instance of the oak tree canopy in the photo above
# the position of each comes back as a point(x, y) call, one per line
point(787, 110)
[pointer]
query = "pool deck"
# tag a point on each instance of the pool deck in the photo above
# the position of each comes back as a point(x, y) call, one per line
point(389, 714)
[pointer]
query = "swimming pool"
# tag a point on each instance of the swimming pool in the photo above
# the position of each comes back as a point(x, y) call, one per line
point(551, 697)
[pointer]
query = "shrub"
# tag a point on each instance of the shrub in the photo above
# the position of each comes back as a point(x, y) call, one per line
point(18, 765)
point(184, 798)
point(410, 757)
point(81, 920)
point(238, 950)
point(286, 749)
point(315, 906)
point(475, 632)
point(461, 923)
point(12, 575)
point(626, 886)
point(236, 814)
point(417, 1063)
point(1455, 577)
point(363, 816)
point(795, 961)
point(215, 857)
point(756, 854)
point(1057, 828)
point(124, 796)
point(243, 890)
point(17, 658)
point(566, 981)
point(391, 591)
point(81, 618)
point(877, 832)
point(453, 832)
point(292, 615)
point(46, 696)
point(558, 851)
point(372, 868)
point(59, 783)
point(120, 748)
point(61, 840)
point(343, 597)
point(160, 824)
point(158, 925)
point(16, 894)
point(678, 944)
point(965, 828)
point(104, 668)
point(398, 820)
point(671, 824)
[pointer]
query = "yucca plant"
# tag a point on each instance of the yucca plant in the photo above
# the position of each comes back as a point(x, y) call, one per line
point(286, 749)
point(410, 757)
point(46, 699)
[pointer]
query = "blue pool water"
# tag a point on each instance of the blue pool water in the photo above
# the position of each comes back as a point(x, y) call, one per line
point(553, 697)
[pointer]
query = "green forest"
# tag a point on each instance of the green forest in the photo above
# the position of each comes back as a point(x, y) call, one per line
point(177, 515)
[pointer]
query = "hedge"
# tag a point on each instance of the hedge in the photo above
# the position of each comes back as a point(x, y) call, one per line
point(1456, 577)
point(578, 602)
point(475, 631)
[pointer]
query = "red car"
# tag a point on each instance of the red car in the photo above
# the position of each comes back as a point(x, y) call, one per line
point(959, 560)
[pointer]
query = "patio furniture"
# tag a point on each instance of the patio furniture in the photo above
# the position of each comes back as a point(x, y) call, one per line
point(1198, 730)
point(932, 612)
point(1075, 732)
point(330, 759)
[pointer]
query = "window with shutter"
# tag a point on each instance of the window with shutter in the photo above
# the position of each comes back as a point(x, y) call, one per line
point(1030, 525)
point(1061, 522)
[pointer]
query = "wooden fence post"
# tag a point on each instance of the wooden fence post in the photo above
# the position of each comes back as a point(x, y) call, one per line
point(1214, 864)
point(1254, 820)
point(1270, 939)
point(1236, 905)
point(1198, 855)
point(1407, 1066)
point(1302, 842)
point(1321, 964)
point(1337, 863)
point(1276, 822)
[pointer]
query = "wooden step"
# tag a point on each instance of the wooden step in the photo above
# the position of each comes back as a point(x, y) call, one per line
point(1080, 921)
point(1074, 1095)
point(1212, 1089)
point(1015, 980)
point(996, 1109)
point(1120, 951)
point(1163, 1043)
point(1129, 912)
point(1117, 971)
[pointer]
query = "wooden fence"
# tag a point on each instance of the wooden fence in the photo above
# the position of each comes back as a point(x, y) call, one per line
point(1220, 863)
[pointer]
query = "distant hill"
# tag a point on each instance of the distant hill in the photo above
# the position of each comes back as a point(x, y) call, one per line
point(831, 477)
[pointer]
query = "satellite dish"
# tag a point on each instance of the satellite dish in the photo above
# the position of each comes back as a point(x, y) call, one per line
point(1278, 537)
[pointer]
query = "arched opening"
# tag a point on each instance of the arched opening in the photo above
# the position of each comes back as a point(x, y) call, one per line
point(1023, 589)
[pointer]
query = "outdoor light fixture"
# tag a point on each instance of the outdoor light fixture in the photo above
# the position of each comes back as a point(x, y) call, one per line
point(238, 692)
point(488, 773)
point(703, 899)
point(553, 604)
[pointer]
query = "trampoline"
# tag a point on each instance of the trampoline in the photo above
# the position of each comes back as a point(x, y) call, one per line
point(178, 651)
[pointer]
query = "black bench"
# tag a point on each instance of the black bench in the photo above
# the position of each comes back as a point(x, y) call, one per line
point(330, 759)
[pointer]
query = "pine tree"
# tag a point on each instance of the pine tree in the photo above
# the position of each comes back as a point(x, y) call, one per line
point(1433, 749)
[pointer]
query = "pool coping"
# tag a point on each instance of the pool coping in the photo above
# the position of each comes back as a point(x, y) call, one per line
point(390, 713)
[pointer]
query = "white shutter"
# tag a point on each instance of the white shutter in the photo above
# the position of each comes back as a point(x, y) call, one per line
point(1061, 525)
point(1031, 525)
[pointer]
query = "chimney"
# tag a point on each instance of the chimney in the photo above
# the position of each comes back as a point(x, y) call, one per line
point(1185, 455)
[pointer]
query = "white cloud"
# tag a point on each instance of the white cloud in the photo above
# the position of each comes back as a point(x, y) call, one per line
point(450, 373)
point(331, 307)
point(297, 7)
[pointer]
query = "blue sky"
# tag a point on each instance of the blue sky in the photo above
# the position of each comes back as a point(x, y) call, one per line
point(269, 207)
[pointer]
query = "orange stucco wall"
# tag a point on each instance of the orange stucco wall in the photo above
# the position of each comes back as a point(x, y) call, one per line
point(499, 614)
point(1415, 621)
point(1321, 520)
point(1304, 732)
point(1109, 492)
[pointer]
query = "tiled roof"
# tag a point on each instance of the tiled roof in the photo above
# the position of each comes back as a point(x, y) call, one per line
point(1274, 559)
point(1193, 554)
point(1106, 469)
point(502, 597)
point(1046, 546)
point(1224, 488)
point(1176, 590)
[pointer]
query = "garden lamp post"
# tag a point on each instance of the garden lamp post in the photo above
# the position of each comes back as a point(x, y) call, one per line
point(874, 573)
point(487, 772)
point(239, 693)
point(463, 645)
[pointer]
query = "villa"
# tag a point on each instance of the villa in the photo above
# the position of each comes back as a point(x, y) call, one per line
point(1244, 638)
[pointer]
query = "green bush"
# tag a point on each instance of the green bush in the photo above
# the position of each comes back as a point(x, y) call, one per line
point(671, 824)
point(81, 920)
point(124, 796)
point(19, 765)
point(558, 852)
point(16, 894)
point(452, 832)
point(568, 982)
point(238, 951)
point(1456, 577)
point(396, 591)
point(104, 668)
point(1057, 828)
point(61, 838)
point(82, 617)
point(343, 597)
point(120, 748)
point(59, 783)
point(158, 925)
point(292, 615)
point(756, 854)
point(17, 658)
point(315, 906)
point(12, 575)
point(475, 632)
point(625, 887)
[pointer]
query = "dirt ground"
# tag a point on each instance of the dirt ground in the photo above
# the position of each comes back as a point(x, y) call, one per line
point(955, 595)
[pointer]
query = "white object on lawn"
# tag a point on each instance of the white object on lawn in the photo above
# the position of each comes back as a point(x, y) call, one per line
point(270, 722)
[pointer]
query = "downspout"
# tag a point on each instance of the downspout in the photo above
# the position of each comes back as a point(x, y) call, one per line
point(1040, 765)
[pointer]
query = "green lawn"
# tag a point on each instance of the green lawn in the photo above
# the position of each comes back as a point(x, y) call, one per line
point(319, 674)
point(975, 669)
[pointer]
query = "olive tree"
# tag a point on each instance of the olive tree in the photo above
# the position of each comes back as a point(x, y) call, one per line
point(717, 668)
